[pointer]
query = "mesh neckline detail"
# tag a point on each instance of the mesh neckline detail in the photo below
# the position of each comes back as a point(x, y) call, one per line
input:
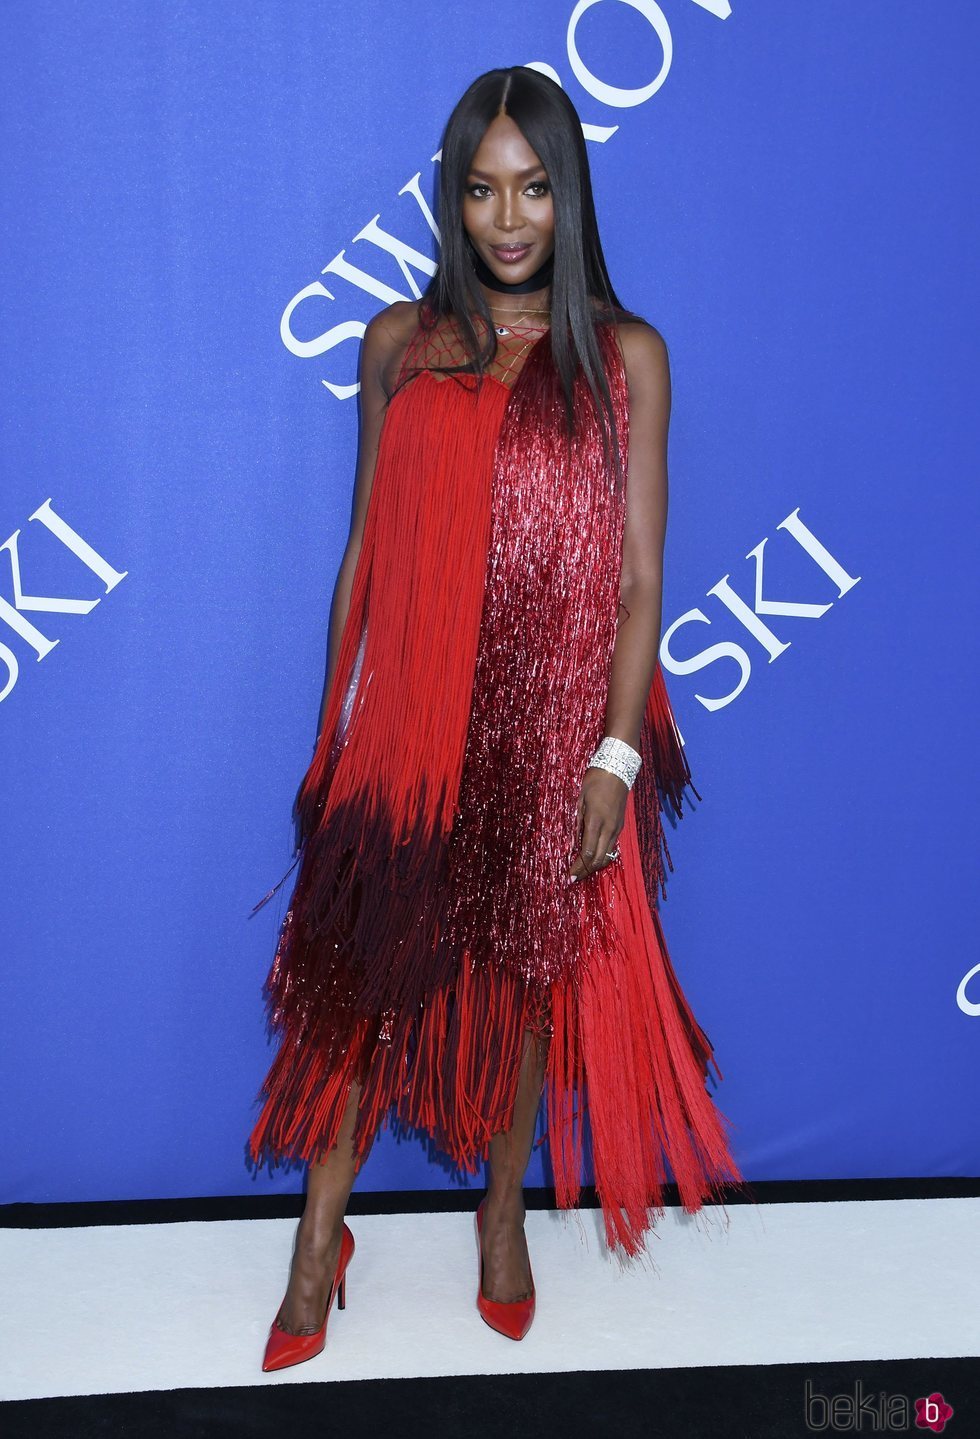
point(429, 349)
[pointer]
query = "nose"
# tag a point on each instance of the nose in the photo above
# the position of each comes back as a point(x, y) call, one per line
point(508, 217)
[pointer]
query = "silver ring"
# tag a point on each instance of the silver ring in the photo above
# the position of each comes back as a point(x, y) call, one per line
point(612, 853)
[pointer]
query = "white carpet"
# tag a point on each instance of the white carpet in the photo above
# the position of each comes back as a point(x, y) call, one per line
point(144, 1307)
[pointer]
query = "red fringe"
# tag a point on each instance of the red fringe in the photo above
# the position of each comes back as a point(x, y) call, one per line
point(369, 982)
point(451, 1069)
point(624, 1046)
point(663, 777)
point(377, 805)
point(632, 1037)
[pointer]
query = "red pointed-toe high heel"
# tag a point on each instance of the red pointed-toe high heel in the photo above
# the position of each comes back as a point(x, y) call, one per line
point(514, 1319)
point(283, 1348)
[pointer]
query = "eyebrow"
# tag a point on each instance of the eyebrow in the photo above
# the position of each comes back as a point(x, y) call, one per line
point(531, 170)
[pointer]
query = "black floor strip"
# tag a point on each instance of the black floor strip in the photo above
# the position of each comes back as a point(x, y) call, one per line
point(745, 1402)
point(443, 1201)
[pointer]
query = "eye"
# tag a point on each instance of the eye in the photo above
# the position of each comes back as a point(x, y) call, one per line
point(541, 186)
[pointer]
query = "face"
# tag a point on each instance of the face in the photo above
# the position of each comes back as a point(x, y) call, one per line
point(507, 204)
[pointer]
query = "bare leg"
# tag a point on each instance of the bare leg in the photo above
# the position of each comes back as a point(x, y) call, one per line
point(506, 1270)
point(317, 1246)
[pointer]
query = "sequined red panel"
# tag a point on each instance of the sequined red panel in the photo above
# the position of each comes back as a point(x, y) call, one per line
point(550, 606)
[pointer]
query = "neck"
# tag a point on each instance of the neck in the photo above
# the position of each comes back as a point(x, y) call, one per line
point(535, 290)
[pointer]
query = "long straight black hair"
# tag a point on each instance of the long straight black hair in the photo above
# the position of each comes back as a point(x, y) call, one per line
point(551, 125)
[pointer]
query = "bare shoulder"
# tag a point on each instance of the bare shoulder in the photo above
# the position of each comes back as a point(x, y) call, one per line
point(644, 354)
point(396, 321)
point(385, 338)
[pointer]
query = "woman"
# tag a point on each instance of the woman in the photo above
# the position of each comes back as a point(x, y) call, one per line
point(480, 832)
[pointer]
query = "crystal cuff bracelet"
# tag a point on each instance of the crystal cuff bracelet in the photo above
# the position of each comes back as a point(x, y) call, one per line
point(620, 758)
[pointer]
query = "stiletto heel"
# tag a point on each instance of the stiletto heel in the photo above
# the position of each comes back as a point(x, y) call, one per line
point(514, 1319)
point(282, 1348)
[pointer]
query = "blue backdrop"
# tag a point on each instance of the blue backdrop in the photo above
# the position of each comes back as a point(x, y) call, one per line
point(202, 206)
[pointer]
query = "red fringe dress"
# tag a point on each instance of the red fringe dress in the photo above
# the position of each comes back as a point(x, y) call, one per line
point(431, 923)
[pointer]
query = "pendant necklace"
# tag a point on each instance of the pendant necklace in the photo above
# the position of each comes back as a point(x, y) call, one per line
point(541, 277)
point(505, 330)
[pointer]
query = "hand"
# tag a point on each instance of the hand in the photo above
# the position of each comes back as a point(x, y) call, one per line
point(601, 814)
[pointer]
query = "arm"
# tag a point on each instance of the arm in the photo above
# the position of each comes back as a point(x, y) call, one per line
point(376, 350)
point(602, 805)
point(641, 585)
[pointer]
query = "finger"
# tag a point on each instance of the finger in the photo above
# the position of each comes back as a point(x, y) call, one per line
point(598, 861)
point(578, 868)
point(608, 846)
point(591, 852)
point(608, 841)
point(600, 836)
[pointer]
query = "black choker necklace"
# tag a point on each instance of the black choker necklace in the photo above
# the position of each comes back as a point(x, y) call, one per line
point(537, 281)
